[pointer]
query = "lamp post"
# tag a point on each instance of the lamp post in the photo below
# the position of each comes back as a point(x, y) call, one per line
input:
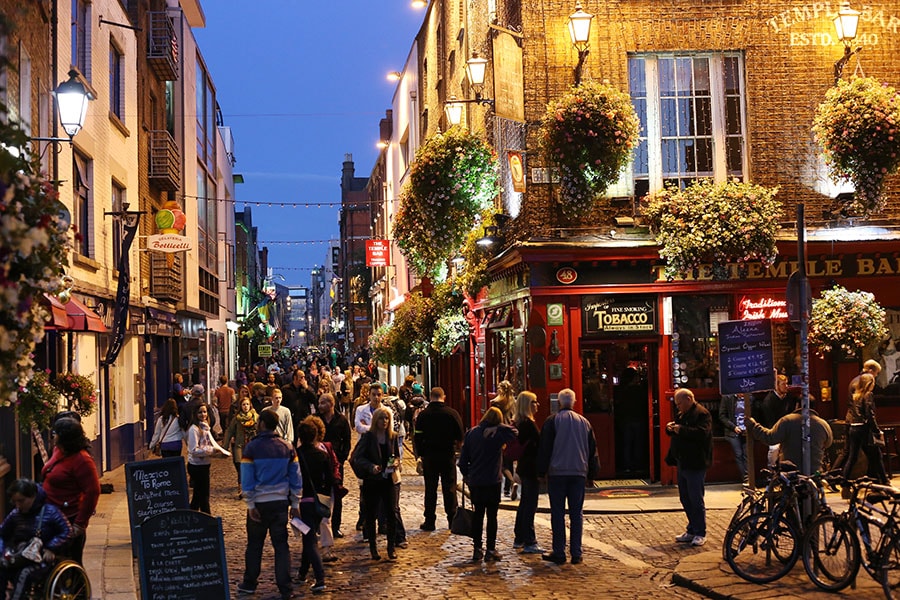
point(476, 68)
point(72, 99)
point(580, 32)
point(845, 22)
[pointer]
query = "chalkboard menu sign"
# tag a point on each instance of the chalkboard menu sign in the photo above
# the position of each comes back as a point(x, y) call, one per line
point(745, 356)
point(153, 487)
point(182, 556)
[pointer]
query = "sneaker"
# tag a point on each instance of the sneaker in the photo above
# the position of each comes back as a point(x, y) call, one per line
point(685, 538)
point(554, 558)
point(244, 590)
point(514, 492)
point(698, 540)
point(318, 588)
point(532, 549)
point(518, 545)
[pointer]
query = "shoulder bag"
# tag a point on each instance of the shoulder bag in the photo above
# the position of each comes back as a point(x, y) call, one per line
point(156, 447)
point(321, 502)
point(462, 520)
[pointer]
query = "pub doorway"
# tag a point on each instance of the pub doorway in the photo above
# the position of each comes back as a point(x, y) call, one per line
point(621, 402)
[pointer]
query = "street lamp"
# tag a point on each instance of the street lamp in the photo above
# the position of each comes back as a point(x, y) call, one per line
point(71, 101)
point(580, 32)
point(476, 67)
point(845, 22)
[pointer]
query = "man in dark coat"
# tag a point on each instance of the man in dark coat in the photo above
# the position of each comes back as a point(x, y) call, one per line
point(438, 435)
point(691, 452)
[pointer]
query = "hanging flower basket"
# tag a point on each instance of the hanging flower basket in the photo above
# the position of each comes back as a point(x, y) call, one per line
point(452, 180)
point(36, 403)
point(79, 392)
point(33, 248)
point(451, 330)
point(589, 134)
point(709, 223)
point(858, 129)
point(845, 322)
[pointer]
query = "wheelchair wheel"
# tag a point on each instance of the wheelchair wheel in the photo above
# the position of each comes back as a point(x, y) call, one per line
point(67, 581)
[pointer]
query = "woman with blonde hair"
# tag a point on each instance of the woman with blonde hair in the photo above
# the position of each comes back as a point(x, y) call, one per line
point(526, 473)
point(376, 460)
point(505, 400)
point(480, 462)
point(861, 426)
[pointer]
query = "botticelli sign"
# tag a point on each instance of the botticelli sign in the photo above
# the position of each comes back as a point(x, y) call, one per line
point(378, 253)
point(169, 242)
point(615, 315)
point(745, 356)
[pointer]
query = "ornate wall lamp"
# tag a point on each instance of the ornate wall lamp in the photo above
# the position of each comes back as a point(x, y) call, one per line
point(845, 24)
point(580, 32)
point(476, 67)
point(72, 98)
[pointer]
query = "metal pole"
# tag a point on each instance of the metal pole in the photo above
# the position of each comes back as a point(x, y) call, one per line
point(803, 301)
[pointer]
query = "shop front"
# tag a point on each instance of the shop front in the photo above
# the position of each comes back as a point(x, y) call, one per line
point(607, 324)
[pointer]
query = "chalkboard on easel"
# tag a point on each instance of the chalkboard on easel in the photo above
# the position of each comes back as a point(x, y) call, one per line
point(153, 487)
point(746, 361)
point(181, 555)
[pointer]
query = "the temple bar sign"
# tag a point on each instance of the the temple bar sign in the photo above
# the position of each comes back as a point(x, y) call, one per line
point(602, 315)
point(378, 253)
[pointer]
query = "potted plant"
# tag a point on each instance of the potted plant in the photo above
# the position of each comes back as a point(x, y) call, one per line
point(589, 134)
point(36, 403)
point(452, 180)
point(858, 129)
point(714, 223)
point(845, 322)
point(79, 391)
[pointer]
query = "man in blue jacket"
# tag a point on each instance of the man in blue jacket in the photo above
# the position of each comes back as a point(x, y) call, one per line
point(270, 481)
point(567, 455)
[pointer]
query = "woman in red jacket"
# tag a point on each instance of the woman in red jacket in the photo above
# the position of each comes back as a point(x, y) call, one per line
point(71, 481)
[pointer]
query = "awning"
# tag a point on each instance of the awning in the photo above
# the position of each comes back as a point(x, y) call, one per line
point(59, 319)
point(82, 318)
point(71, 316)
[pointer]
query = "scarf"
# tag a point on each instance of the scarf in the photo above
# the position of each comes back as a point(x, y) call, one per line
point(247, 419)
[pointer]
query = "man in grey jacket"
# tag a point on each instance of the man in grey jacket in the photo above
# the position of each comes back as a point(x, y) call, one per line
point(787, 431)
point(567, 455)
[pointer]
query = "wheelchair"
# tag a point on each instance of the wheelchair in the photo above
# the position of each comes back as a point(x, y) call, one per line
point(67, 580)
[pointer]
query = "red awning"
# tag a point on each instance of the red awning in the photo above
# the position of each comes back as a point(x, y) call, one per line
point(82, 318)
point(59, 319)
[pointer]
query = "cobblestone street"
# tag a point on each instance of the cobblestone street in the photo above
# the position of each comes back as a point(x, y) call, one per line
point(626, 556)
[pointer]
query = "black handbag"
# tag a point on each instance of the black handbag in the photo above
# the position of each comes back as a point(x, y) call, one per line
point(323, 509)
point(462, 520)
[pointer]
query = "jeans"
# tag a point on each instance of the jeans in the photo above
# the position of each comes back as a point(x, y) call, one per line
point(486, 500)
point(441, 466)
point(858, 439)
point(337, 509)
point(562, 489)
point(399, 528)
point(273, 521)
point(200, 482)
point(379, 492)
point(739, 446)
point(311, 556)
point(690, 492)
point(528, 503)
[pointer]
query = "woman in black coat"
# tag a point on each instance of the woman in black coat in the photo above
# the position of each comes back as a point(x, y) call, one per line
point(318, 478)
point(376, 461)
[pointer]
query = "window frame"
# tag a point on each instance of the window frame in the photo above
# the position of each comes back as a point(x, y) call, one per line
point(81, 34)
point(118, 195)
point(116, 81)
point(652, 131)
point(82, 202)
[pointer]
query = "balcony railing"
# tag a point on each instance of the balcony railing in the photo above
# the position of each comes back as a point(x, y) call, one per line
point(162, 47)
point(165, 160)
point(166, 276)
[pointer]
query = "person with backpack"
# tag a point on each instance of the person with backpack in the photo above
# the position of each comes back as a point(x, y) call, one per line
point(417, 403)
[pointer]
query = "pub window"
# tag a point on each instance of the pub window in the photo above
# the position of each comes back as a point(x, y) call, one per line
point(695, 354)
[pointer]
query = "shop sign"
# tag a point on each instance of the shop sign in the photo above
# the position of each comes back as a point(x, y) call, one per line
point(516, 170)
point(566, 275)
point(612, 315)
point(378, 253)
point(764, 307)
point(746, 361)
point(169, 242)
point(264, 350)
point(554, 315)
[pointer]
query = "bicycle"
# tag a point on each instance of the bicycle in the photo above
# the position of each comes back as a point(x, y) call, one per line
point(831, 550)
point(764, 545)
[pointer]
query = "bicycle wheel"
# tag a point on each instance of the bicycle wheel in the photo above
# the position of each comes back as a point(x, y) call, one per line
point(67, 581)
point(831, 553)
point(761, 548)
point(889, 574)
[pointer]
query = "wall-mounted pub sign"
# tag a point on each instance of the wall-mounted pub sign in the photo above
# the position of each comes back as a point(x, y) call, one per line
point(617, 315)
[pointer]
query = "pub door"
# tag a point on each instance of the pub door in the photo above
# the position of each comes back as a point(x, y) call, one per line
point(618, 385)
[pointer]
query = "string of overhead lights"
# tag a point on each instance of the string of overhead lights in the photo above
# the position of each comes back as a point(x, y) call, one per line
point(295, 242)
point(257, 203)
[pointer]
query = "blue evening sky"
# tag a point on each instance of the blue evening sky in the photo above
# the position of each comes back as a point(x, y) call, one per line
point(301, 83)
